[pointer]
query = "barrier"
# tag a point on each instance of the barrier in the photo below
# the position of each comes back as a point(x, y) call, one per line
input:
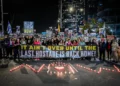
point(32, 51)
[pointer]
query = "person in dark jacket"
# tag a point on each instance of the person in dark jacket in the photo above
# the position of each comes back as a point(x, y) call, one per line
point(44, 43)
point(94, 43)
point(16, 49)
point(119, 42)
point(102, 48)
point(6, 46)
point(9, 49)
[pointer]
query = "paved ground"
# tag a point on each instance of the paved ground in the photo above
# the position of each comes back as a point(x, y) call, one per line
point(59, 73)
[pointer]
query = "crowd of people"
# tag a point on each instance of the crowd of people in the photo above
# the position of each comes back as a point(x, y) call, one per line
point(10, 46)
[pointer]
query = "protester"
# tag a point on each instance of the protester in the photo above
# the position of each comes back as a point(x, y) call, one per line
point(30, 40)
point(102, 48)
point(10, 46)
point(37, 42)
point(61, 42)
point(23, 41)
point(44, 43)
point(56, 41)
point(109, 49)
point(75, 43)
point(114, 50)
point(82, 42)
point(13, 43)
point(16, 49)
point(6, 46)
point(68, 43)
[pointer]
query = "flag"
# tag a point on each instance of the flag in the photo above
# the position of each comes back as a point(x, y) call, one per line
point(104, 25)
point(9, 28)
point(58, 27)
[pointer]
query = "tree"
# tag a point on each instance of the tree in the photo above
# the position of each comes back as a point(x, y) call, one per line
point(92, 24)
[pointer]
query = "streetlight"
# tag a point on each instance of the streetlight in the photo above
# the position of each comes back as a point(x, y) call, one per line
point(58, 21)
point(81, 10)
point(71, 9)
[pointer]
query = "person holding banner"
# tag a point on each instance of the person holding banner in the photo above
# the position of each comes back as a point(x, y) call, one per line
point(109, 49)
point(82, 42)
point(23, 41)
point(37, 42)
point(114, 50)
point(102, 48)
point(26, 39)
point(61, 42)
point(44, 43)
point(6, 46)
point(75, 43)
point(94, 43)
point(16, 49)
point(68, 43)
point(56, 41)
point(10, 46)
point(30, 40)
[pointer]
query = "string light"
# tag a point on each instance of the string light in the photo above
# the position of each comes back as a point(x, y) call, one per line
point(31, 68)
point(100, 69)
point(69, 66)
point(40, 68)
point(118, 70)
point(18, 67)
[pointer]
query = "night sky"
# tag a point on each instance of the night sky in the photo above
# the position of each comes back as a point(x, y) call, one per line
point(44, 13)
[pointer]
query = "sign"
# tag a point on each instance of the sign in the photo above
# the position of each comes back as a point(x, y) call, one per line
point(28, 26)
point(102, 31)
point(44, 34)
point(48, 33)
point(110, 37)
point(61, 35)
point(66, 32)
point(57, 51)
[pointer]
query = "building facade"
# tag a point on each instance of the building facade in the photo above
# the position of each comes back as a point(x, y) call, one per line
point(110, 14)
point(72, 12)
point(75, 12)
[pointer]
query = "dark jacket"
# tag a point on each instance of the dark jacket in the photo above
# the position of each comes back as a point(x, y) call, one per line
point(102, 46)
point(108, 44)
point(6, 42)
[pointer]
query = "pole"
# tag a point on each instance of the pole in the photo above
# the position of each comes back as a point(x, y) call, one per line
point(61, 14)
point(2, 21)
point(76, 19)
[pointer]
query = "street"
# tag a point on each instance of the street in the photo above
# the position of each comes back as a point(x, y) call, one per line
point(59, 73)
